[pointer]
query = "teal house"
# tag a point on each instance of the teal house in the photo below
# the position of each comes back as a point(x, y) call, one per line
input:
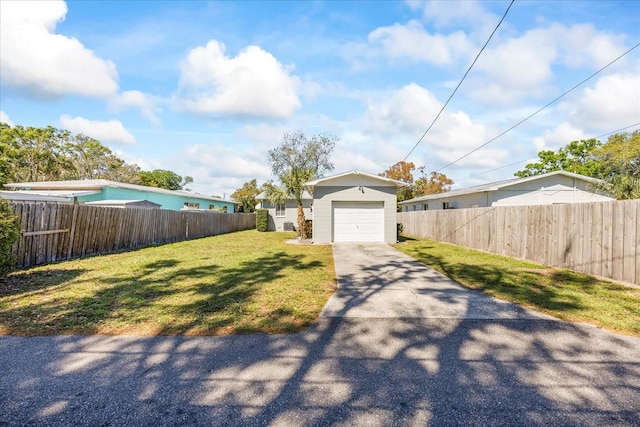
point(112, 193)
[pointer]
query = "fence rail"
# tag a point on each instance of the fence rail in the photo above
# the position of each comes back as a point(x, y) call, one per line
point(54, 232)
point(602, 239)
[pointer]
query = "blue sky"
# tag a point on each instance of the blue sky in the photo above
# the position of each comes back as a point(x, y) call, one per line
point(207, 88)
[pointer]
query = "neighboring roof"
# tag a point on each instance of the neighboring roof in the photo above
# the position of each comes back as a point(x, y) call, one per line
point(96, 184)
point(498, 185)
point(305, 196)
point(46, 195)
point(356, 172)
point(123, 203)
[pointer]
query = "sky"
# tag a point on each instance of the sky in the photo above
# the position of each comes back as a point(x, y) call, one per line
point(205, 89)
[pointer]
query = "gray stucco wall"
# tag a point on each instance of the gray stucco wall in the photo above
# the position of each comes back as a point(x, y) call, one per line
point(544, 191)
point(324, 196)
point(276, 223)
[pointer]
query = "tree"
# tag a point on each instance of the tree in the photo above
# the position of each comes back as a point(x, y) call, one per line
point(577, 157)
point(620, 162)
point(401, 171)
point(433, 184)
point(49, 154)
point(9, 234)
point(246, 196)
point(295, 161)
point(164, 179)
point(36, 154)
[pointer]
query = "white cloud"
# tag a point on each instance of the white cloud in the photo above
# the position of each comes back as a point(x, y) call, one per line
point(558, 137)
point(136, 99)
point(219, 169)
point(463, 13)
point(408, 110)
point(613, 102)
point(4, 118)
point(524, 66)
point(413, 42)
point(104, 131)
point(251, 84)
point(222, 160)
point(39, 61)
point(395, 124)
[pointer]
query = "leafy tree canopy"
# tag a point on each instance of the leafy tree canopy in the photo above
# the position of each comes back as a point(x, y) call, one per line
point(164, 179)
point(402, 171)
point(48, 154)
point(434, 183)
point(574, 157)
point(246, 196)
point(296, 160)
point(617, 163)
point(620, 160)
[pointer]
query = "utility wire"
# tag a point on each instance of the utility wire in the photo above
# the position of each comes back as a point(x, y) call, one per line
point(618, 130)
point(502, 167)
point(539, 110)
point(463, 77)
point(534, 158)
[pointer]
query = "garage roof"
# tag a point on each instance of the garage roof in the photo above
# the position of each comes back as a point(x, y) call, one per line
point(384, 180)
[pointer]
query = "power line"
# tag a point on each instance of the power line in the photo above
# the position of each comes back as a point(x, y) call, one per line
point(539, 110)
point(534, 158)
point(502, 167)
point(463, 77)
point(618, 130)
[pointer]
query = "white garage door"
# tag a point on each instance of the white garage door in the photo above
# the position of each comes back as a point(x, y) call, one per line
point(358, 222)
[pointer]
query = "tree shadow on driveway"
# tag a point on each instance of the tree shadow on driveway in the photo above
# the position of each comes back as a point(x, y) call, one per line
point(341, 371)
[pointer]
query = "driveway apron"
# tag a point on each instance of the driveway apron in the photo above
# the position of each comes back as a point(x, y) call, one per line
point(376, 280)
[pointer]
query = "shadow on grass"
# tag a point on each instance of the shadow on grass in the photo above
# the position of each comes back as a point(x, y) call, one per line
point(164, 296)
point(33, 280)
point(530, 287)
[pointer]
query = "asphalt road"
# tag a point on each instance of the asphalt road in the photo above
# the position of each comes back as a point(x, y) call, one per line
point(457, 365)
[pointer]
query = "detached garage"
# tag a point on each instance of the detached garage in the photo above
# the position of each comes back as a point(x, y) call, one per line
point(354, 207)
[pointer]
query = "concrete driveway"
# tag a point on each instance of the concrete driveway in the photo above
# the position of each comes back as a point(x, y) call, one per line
point(376, 280)
point(442, 360)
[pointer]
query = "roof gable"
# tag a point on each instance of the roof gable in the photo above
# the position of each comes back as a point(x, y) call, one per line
point(355, 177)
point(501, 185)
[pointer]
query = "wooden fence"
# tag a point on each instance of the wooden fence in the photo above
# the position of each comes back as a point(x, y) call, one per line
point(55, 232)
point(602, 239)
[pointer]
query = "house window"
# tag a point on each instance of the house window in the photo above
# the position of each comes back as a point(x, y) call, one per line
point(280, 209)
point(425, 206)
point(191, 205)
point(445, 205)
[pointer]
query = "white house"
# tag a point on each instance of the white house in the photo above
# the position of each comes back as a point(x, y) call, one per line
point(546, 189)
point(349, 207)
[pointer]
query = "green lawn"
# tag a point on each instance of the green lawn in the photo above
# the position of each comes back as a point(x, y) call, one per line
point(234, 283)
point(561, 293)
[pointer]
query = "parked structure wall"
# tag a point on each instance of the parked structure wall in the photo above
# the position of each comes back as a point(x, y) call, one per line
point(324, 196)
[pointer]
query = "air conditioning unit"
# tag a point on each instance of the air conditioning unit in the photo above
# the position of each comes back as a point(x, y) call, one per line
point(288, 226)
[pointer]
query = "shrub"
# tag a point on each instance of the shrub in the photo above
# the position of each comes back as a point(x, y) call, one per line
point(9, 234)
point(400, 229)
point(262, 219)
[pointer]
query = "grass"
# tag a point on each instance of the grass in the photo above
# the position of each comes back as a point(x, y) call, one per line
point(234, 283)
point(561, 293)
